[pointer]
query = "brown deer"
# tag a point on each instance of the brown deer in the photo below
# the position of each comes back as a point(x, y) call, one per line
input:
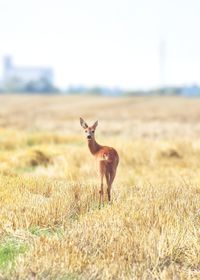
point(106, 157)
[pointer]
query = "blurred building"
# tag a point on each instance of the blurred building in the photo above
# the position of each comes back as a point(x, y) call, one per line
point(25, 74)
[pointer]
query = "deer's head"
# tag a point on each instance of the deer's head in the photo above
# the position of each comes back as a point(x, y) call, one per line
point(89, 130)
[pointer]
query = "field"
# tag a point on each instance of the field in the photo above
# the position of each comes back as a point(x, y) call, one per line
point(50, 223)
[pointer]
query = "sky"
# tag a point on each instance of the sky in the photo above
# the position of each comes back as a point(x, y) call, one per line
point(114, 43)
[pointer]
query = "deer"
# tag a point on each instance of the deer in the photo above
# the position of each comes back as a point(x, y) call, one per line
point(106, 157)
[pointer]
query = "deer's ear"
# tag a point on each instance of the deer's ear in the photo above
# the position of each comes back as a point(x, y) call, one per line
point(95, 125)
point(83, 123)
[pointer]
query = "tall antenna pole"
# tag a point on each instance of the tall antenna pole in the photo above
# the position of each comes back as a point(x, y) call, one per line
point(162, 56)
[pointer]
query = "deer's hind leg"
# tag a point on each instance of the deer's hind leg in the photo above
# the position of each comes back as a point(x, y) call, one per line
point(110, 178)
point(101, 192)
point(108, 184)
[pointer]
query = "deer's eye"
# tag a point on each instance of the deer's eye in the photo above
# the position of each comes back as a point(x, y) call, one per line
point(92, 131)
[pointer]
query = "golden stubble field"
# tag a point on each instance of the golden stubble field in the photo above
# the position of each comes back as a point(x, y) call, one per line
point(50, 224)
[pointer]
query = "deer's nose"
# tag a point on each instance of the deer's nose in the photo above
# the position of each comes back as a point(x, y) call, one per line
point(89, 137)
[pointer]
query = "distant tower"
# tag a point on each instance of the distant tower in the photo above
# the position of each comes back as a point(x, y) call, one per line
point(162, 59)
point(7, 67)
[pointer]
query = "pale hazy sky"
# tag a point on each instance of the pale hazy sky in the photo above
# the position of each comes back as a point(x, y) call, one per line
point(104, 42)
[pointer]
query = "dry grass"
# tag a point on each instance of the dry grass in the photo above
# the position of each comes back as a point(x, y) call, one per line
point(50, 224)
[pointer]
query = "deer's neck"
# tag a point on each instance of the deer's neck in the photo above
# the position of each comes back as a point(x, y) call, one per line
point(94, 147)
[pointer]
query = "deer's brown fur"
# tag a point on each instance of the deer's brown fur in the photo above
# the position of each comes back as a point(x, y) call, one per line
point(106, 157)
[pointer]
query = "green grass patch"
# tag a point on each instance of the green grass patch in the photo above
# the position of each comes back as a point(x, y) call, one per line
point(25, 169)
point(35, 230)
point(70, 276)
point(38, 231)
point(9, 250)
